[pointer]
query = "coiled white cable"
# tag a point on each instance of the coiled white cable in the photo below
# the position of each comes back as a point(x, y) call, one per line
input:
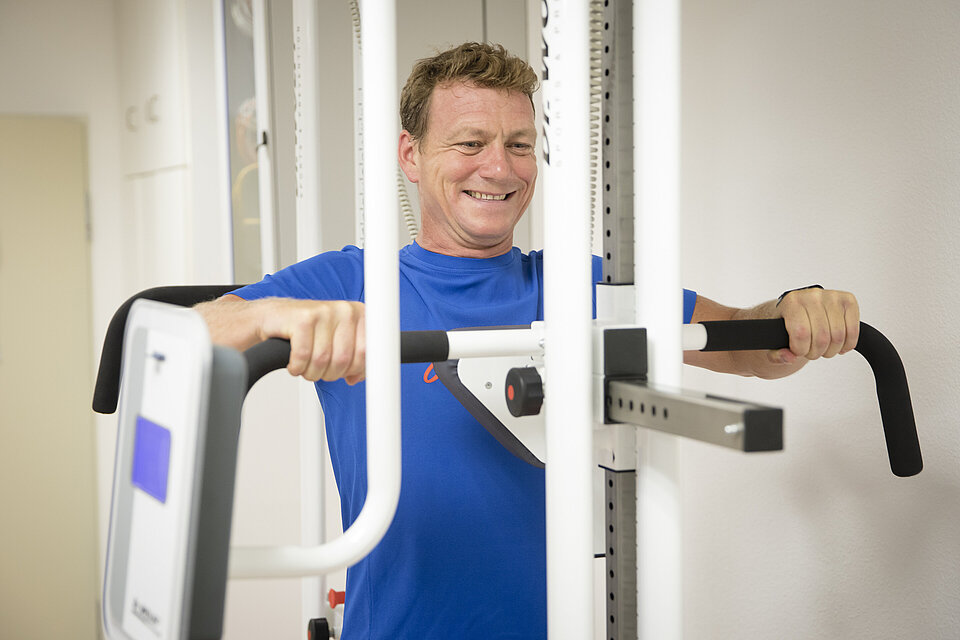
point(409, 217)
point(596, 89)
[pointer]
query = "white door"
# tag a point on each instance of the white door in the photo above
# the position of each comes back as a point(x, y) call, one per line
point(49, 578)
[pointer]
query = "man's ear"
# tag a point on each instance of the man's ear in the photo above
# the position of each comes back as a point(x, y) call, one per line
point(408, 154)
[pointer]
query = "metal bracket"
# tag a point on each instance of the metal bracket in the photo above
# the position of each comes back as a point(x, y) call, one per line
point(721, 421)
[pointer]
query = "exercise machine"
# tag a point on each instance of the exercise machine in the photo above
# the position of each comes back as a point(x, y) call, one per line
point(167, 554)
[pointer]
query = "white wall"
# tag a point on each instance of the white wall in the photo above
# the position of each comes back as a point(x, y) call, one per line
point(62, 57)
point(66, 64)
point(821, 143)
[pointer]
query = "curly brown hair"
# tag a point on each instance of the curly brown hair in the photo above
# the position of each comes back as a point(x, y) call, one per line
point(481, 64)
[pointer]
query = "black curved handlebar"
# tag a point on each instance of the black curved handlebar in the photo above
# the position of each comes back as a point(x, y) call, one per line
point(415, 346)
point(262, 358)
point(896, 409)
point(893, 394)
point(107, 388)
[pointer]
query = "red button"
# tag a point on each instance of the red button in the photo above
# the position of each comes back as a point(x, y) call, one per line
point(335, 597)
point(510, 392)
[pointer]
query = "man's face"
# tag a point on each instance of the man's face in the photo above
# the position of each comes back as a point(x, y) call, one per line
point(475, 169)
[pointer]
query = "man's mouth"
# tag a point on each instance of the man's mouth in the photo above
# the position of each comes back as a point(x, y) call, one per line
point(487, 196)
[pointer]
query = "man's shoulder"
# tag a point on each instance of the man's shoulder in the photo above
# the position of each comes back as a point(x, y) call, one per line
point(331, 275)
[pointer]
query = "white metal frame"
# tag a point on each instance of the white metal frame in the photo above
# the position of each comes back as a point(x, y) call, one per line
point(567, 296)
point(656, 117)
point(381, 275)
point(567, 299)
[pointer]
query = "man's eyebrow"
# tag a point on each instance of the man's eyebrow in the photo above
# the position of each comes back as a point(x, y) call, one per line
point(529, 132)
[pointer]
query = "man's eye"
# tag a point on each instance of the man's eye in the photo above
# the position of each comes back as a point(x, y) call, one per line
point(470, 145)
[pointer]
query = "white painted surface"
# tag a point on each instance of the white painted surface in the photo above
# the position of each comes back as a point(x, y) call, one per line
point(568, 356)
point(67, 65)
point(656, 185)
point(821, 144)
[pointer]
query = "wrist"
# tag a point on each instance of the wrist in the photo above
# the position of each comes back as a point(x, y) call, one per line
point(785, 293)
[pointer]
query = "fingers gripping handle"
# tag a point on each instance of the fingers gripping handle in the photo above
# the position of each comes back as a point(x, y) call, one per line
point(893, 394)
point(274, 353)
point(262, 358)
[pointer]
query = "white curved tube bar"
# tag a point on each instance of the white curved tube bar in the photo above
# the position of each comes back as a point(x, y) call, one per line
point(381, 274)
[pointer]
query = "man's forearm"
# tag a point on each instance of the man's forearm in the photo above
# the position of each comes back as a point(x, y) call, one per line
point(821, 324)
point(762, 364)
point(233, 321)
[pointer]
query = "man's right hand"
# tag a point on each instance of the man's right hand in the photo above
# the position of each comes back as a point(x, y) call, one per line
point(327, 338)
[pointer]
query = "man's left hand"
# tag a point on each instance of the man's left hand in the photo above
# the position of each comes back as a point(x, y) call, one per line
point(820, 323)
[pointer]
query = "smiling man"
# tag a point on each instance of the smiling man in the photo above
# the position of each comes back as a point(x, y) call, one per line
point(465, 556)
point(475, 166)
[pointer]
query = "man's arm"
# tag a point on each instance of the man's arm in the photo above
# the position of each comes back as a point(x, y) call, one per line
point(821, 324)
point(326, 336)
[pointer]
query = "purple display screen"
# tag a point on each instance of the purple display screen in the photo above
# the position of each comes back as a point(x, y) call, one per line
point(151, 458)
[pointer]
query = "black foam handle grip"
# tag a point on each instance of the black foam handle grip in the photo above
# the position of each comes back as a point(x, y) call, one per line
point(424, 346)
point(746, 335)
point(893, 394)
point(415, 346)
point(274, 353)
point(264, 357)
point(107, 389)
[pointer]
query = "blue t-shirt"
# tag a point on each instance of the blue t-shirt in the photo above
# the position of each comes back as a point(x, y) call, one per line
point(465, 556)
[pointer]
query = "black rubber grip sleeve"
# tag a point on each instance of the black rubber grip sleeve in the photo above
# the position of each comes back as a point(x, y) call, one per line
point(424, 346)
point(107, 388)
point(264, 357)
point(746, 335)
point(893, 393)
point(415, 346)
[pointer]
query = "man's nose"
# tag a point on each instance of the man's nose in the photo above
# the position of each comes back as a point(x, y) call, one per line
point(495, 163)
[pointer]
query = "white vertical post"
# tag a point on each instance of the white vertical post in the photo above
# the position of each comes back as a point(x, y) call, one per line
point(659, 306)
point(378, 23)
point(381, 282)
point(312, 442)
point(567, 312)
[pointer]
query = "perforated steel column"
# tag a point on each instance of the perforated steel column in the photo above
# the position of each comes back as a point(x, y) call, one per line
point(621, 549)
point(617, 142)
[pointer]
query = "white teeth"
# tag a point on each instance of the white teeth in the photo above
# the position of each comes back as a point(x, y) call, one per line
point(486, 196)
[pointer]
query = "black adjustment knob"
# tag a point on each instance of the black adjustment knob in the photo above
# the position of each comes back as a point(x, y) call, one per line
point(318, 629)
point(524, 391)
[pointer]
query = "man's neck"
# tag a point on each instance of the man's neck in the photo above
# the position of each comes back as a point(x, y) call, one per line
point(463, 250)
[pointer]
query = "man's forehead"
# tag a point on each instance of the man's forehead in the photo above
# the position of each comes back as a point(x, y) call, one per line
point(465, 108)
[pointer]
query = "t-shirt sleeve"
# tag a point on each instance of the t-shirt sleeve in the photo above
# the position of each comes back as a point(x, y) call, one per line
point(689, 302)
point(334, 275)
